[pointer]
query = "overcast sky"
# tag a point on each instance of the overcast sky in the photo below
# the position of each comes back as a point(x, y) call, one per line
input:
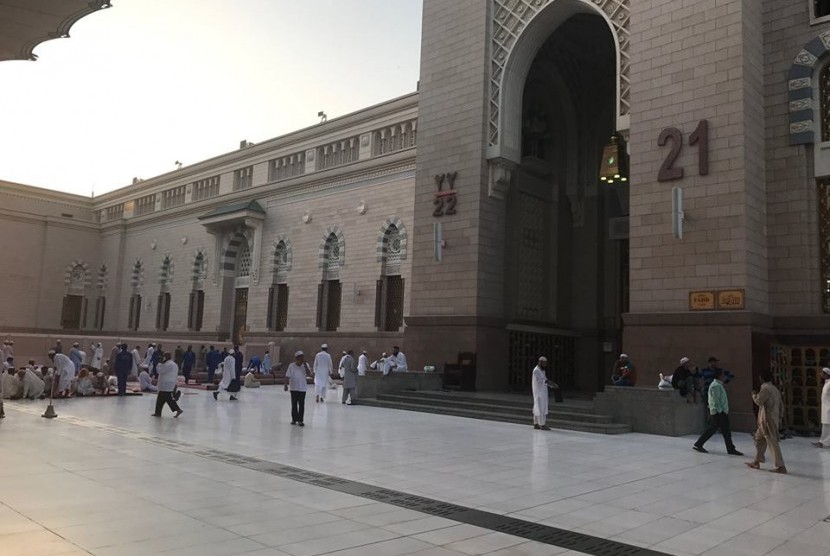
point(149, 82)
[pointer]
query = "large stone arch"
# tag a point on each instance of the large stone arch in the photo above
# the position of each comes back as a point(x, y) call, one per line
point(518, 30)
point(800, 89)
point(232, 248)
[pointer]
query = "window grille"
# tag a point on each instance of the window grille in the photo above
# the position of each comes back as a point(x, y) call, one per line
point(145, 205)
point(243, 266)
point(173, 197)
point(206, 188)
point(243, 178)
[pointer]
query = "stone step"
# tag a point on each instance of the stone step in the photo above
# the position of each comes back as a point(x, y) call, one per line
point(556, 411)
point(452, 397)
point(580, 426)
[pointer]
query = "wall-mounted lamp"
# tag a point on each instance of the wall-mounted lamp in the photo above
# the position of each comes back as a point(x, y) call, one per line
point(614, 167)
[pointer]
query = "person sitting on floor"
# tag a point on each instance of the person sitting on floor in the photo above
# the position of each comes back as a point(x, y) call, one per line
point(145, 382)
point(32, 386)
point(12, 387)
point(84, 387)
point(251, 381)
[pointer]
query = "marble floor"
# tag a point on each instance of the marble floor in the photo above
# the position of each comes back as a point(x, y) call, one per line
point(105, 478)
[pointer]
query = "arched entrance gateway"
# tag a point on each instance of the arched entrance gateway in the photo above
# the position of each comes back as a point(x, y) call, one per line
point(563, 266)
point(551, 247)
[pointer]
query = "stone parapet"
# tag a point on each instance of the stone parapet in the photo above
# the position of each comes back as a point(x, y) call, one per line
point(651, 410)
point(374, 383)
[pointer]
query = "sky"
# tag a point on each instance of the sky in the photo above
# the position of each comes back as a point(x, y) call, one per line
point(150, 82)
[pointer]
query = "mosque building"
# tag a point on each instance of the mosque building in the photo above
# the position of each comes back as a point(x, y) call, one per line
point(573, 178)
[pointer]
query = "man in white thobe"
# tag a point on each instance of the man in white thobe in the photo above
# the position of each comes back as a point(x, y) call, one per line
point(228, 374)
point(397, 360)
point(136, 361)
point(540, 395)
point(97, 357)
point(340, 369)
point(64, 373)
point(168, 374)
point(12, 387)
point(322, 369)
point(824, 441)
point(362, 363)
point(148, 357)
point(32, 384)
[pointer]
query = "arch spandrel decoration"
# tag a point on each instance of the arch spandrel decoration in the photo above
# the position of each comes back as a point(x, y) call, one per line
point(77, 277)
point(511, 25)
point(382, 247)
point(800, 89)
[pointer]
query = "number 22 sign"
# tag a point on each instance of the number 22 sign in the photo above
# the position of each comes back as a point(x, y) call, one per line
point(699, 138)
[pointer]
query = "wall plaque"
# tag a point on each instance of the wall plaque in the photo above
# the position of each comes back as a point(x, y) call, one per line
point(701, 301)
point(731, 300)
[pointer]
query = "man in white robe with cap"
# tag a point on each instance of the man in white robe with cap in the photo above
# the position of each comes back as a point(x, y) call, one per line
point(64, 373)
point(362, 363)
point(540, 395)
point(97, 357)
point(322, 370)
point(824, 441)
point(228, 374)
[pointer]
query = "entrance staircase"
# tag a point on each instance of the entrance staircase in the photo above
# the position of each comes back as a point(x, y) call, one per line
point(574, 415)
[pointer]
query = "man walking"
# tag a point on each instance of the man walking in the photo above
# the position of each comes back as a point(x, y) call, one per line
point(362, 363)
point(168, 372)
point(349, 377)
point(718, 416)
point(212, 361)
point(322, 370)
point(123, 365)
point(295, 382)
point(227, 383)
point(540, 395)
point(768, 400)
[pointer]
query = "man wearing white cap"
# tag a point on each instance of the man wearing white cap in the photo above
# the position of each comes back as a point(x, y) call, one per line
point(623, 372)
point(322, 369)
point(295, 381)
point(824, 441)
point(684, 379)
point(539, 384)
point(64, 372)
point(228, 375)
point(362, 363)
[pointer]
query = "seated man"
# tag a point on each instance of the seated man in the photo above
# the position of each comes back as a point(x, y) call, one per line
point(397, 361)
point(101, 381)
point(84, 387)
point(685, 380)
point(12, 387)
point(251, 381)
point(623, 373)
point(145, 382)
point(33, 386)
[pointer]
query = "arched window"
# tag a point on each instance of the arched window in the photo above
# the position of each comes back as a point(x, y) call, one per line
point(389, 293)
point(136, 280)
point(196, 308)
point(329, 292)
point(163, 307)
point(278, 293)
point(73, 313)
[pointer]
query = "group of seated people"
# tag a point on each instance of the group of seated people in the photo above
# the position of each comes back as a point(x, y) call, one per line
point(34, 382)
point(693, 383)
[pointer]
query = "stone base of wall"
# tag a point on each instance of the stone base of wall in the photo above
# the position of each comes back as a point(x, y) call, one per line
point(651, 410)
point(374, 383)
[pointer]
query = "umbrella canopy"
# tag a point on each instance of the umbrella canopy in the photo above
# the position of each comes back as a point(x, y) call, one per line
point(24, 24)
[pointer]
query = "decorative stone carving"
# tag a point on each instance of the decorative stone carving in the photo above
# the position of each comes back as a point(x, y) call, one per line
point(501, 176)
point(805, 58)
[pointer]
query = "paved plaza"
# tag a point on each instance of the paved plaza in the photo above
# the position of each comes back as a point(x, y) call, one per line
point(105, 478)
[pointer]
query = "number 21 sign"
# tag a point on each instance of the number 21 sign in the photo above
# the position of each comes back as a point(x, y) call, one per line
point(700, 138)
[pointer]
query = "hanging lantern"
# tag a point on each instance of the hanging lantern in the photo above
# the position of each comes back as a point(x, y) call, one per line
point(614, 166)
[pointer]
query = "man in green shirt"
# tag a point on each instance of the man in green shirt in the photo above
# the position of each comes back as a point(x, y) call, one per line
point(718, 417)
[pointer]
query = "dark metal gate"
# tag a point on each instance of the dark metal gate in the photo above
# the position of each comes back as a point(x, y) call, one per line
point(527, 347)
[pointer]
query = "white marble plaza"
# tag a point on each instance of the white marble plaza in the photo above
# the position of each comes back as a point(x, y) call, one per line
point(97, 480)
